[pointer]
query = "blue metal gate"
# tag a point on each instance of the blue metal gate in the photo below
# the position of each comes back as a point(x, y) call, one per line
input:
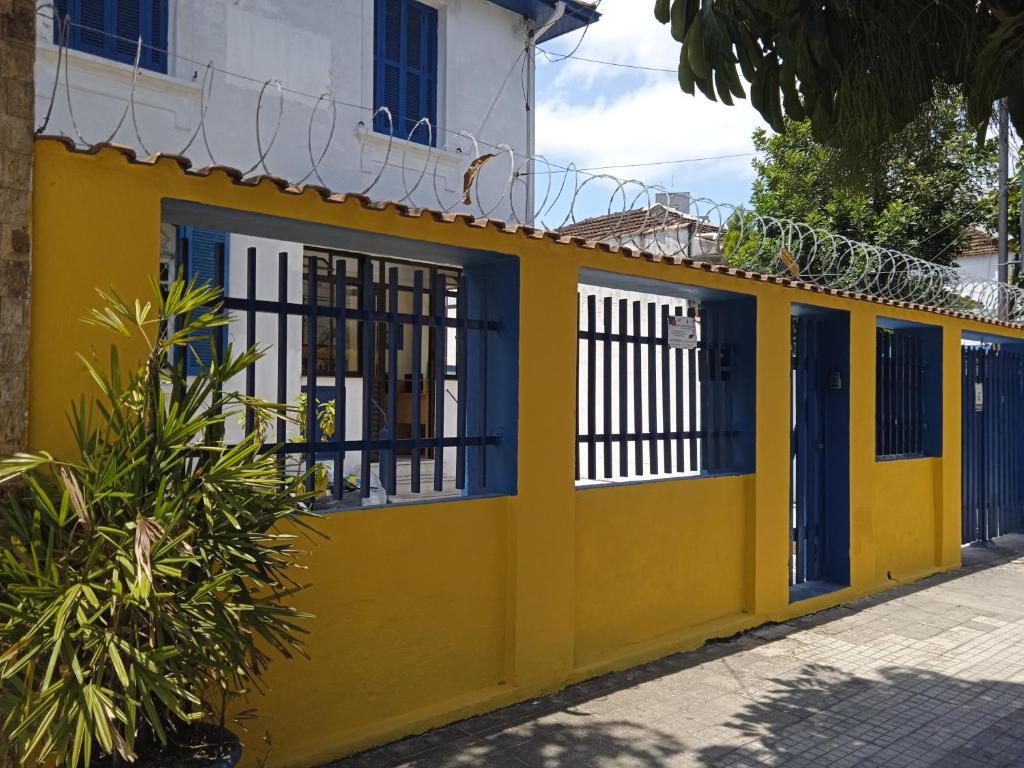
point(992, 481)
point(807, 489)
point(819, 481)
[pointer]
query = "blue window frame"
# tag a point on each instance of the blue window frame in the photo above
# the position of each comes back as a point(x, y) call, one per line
point(202, 248)
point(111, 29)
point(405, 68)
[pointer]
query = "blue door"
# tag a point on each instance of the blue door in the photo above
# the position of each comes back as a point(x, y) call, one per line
point(819, 452)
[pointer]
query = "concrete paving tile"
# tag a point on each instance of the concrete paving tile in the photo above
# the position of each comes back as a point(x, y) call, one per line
point(928, 676)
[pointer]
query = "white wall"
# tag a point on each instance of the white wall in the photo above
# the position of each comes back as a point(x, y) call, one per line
point(313, 46)
point(982, 267)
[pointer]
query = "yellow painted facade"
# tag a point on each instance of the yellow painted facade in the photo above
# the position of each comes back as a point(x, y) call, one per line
point(431, 612)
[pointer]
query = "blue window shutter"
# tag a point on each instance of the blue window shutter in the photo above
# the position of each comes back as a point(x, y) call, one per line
point(89, 23)
point(405, 68)
point(111, 28)
point(155, 54)
point(127, 28)
point(202, 254)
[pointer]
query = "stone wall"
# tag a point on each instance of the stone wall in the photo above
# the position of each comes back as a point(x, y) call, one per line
point(17, 53)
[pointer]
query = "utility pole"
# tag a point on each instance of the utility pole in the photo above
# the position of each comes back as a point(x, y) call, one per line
point(1004, 170)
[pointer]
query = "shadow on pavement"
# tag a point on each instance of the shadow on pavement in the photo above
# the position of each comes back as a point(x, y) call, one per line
point(816, 717)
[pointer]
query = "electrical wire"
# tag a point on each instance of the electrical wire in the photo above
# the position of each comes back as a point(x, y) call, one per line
point(549, 54)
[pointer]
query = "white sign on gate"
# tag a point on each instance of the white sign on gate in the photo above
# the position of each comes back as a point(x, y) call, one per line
point(979, 396)
point(682, 332)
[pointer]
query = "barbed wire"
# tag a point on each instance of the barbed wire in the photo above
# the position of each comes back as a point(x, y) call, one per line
point(638, 214)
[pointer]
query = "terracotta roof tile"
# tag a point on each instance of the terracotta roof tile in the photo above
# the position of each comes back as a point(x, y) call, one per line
point(979, 243)
point(634, 222)
point(562, 238)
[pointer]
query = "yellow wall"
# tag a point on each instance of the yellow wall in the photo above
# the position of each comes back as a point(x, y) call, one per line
point(643, 549)
point(905, 523)
point(432, 612)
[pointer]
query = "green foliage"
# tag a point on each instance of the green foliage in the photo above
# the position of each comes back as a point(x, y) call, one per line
point(916, 193)
point(991, 204)
point(860, 72)
point(146, 581)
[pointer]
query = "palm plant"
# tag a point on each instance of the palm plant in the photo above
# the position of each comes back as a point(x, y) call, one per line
point(144, 583)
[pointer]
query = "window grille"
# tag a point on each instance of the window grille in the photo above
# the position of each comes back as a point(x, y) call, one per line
point(907, 401)
point(647, 410)
point(399, 430)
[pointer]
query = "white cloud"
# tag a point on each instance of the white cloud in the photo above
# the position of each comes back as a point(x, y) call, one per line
point(597, 115)
point(627, 33)
point(652, 123)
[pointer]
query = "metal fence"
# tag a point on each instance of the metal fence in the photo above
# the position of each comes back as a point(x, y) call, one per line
point(647, 408)
point(992, 483)
point(401, 334)
point(899, 406)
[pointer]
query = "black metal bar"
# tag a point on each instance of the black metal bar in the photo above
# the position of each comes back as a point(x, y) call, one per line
point(393, 343)
point(340, 373)
point(380, 316)
point(606, 392)
point(691, 394)
point(638, 395)
point(666, 391)
point(182, 271)
point(679, 406)
point(282, 341)
point(437, 297)
point(250, 336)
point(481, 481)
point(652, 384)
point(217, 344)
point(366, 298)
point(802, 453)
point(381, 444)
point(311, 358)
point(591, 387)
point(623, 388)
point(656, 435)
point(579, 300)
point(879, 374)
point(462, 375)
point(417, 378)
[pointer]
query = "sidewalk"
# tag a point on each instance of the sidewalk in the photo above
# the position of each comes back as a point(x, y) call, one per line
point(929, 675)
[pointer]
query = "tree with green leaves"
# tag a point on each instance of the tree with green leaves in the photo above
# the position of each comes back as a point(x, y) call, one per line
point(1013, 219)
point(145, 580)
point(917, 192)
point(859, 72)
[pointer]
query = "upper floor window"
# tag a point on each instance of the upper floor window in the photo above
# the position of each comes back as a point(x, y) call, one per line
point(405, 69)
point(111, 28)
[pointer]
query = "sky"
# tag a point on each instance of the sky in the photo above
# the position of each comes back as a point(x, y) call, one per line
point(598, 115)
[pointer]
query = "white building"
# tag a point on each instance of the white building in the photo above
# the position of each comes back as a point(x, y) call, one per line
point(665, 227)
point(979, 258)
point(292, 88)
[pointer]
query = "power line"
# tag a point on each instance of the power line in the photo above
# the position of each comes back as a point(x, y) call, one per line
point(668, 162)
point(549, 54)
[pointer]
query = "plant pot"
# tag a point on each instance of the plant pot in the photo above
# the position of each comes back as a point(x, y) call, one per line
point(202, 746)
point(211, 747)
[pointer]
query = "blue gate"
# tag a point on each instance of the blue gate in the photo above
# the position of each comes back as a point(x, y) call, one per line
point(819, 450)
point(992, 481)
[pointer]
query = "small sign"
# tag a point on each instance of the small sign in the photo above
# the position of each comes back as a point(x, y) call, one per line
point(682, 332)
point(979, 396)
point(835, 380)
